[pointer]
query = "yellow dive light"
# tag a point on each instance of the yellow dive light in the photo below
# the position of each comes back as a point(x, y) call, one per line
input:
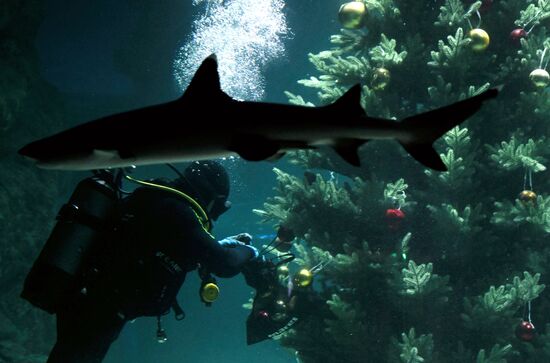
point(210, 292)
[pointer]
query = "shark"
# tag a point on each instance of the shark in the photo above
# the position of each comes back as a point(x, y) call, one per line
point(206, 123)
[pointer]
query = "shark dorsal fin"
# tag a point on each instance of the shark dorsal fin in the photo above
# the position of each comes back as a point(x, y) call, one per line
point(350, 102)
point(206, 81)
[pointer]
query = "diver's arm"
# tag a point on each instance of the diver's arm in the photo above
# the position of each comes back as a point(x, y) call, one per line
point(225, 258)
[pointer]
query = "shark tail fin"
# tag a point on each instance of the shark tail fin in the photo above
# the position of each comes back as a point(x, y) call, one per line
point(422, 130)
point(206, 82)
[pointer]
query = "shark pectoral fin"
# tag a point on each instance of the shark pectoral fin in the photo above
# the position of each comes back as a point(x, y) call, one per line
point(426, 155)
point(348, 150)
point(255, 148)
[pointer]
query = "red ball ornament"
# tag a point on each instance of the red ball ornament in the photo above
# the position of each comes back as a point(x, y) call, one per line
point(517, 34)
point(263, 315)
point(525, 331)
point(394, 218)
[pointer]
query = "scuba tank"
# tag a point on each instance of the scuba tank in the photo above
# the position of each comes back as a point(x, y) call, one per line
point(83, 226)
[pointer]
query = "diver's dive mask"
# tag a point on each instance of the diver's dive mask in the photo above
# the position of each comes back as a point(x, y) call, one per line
point(209, 182)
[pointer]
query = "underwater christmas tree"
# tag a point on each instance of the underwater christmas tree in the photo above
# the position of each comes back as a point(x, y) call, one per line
point(411, 265)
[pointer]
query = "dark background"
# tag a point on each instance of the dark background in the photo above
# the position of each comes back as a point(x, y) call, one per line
point(107, 56)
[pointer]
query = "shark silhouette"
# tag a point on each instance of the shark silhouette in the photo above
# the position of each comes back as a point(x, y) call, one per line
point(206, 123)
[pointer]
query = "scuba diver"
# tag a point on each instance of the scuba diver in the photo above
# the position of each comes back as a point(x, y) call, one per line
point(114, 256)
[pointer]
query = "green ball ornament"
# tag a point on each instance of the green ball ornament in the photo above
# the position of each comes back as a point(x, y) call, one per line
point(480, 39)
point(352, 15)
point(540, 78)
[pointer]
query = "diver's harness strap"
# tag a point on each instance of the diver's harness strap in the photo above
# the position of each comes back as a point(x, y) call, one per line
point(206, 224)
point(179, 314)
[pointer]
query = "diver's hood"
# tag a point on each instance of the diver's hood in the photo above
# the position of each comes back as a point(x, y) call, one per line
point(213, 204)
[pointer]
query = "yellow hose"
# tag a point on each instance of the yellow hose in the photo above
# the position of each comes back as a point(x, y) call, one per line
point(199, 211)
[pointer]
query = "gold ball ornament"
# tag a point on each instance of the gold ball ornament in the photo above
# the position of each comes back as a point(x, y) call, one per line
point(303, 278)
point(380, 78)
point(528, 196)
point(540, 77)
point(210, 292)
point(352, 15)
point(480, 39)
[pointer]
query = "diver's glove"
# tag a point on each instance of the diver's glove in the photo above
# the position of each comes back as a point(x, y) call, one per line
point(230, 242)
point(233, 241)
point(245, 238)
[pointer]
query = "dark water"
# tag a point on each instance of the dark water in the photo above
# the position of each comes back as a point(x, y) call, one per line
point(107, 56)
point(110, 56)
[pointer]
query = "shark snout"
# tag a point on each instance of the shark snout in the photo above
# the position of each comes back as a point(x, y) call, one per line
point(30, 151)
point(45, 149)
